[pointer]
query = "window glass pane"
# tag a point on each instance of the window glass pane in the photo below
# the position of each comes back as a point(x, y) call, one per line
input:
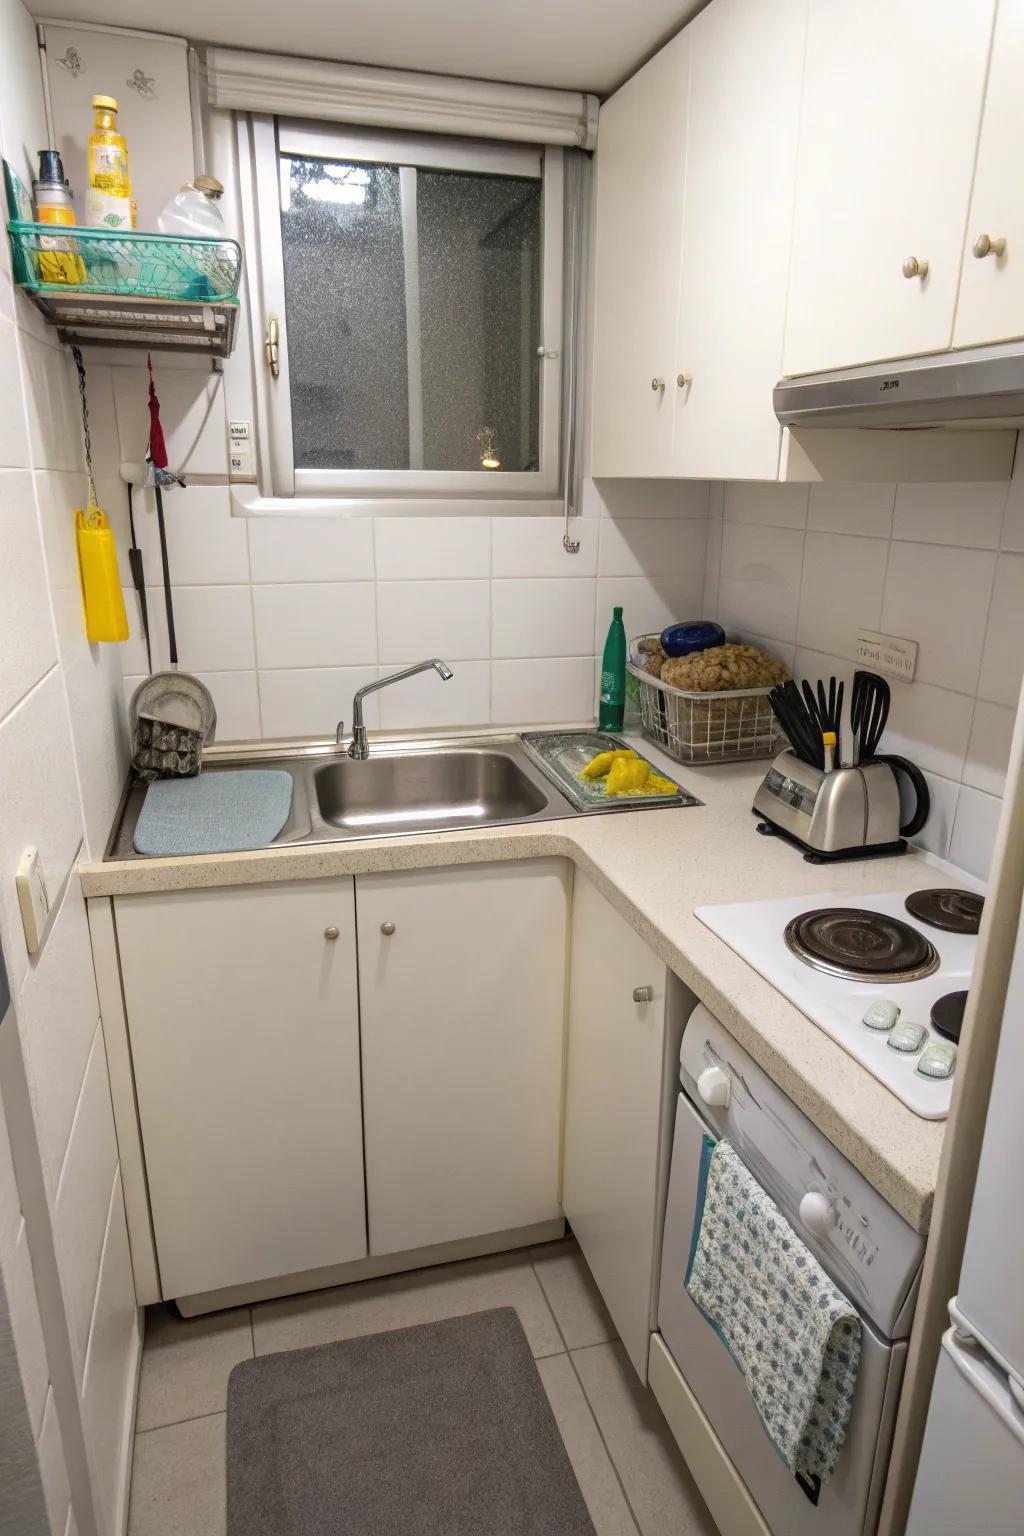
point(341, 232)
point(479, 290)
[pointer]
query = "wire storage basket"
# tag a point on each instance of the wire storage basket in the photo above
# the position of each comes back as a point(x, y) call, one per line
point(704, 727)
point(51, 258)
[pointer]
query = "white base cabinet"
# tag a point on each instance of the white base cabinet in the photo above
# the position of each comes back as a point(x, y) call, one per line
point(462, 990)
point(621, 1077)
point(243, 1021)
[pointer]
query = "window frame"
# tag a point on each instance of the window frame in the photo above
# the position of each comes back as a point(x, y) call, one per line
point(263, 139)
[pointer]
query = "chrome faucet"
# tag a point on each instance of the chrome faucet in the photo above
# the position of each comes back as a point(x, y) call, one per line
point(358, 747)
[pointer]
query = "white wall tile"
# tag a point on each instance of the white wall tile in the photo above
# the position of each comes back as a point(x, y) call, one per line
point(841, 591)
point(937, 831)
point(419, 548)
point(989, 749)
point(532, 546)
point(108, 1383)
point(191, 414)
point(974, 831)
point(1013, 520)
point(53, 1470)
point(774, 506)
point(310, 702)
point(449, 619)
point(237, 702)
point(29, 649)
point(214, 628)
point(759, 585)
point(315, 624)
point(14, 452)
point(649, 604)
point(311, 548)
point(59, 494)
point(53, 406)
point(939, 597)
point(929, 725)
point(1003, 657)
point(425, 700)
point(10, 1204)
point(26, 1327)
point(865, 509)
point(206, 546)
point(967, 515)
point(543, 618)
point(546, 691)
point(57, 1014)
point(645, 498)
point(652, 547)
point(99, 730)
point(39, 795)
point(22, 121)
point(83, 1200)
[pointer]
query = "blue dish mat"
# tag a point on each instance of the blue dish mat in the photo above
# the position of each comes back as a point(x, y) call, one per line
point(214, 813)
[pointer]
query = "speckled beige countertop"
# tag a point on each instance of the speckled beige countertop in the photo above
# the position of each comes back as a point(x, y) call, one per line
point(656, 867)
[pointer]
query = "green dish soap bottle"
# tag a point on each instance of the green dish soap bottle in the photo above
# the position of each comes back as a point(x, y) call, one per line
point(613, 676)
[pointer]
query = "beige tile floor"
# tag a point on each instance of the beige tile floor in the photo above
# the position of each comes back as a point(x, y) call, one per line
point(633, 1479)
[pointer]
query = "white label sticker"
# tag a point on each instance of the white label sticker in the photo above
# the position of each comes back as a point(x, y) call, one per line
point(887, 653)
point(240, 450)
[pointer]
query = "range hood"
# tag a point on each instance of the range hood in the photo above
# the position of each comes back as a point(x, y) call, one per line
point(983, 384)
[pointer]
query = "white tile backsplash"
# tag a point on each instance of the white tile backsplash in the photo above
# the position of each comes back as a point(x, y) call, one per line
point(29, 648)
point(649, 604)
point(310, 701)
point(641, 546)
point(450, 619)
point(532, 546)
point(547, 690)
point(540, 617)
point(939, 564)
point(438, 548)
point(315, 624)
point(311, 548)
point(426, 700)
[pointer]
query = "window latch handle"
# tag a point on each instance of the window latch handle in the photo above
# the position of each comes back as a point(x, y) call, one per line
point(272, 346)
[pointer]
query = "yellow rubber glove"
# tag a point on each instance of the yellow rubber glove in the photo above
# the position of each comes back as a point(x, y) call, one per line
point(600, 765)
point(628, 776)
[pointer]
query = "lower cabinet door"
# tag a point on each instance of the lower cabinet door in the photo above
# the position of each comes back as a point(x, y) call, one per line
point(462, 993)
point(615, 1091)
point(243, 1019)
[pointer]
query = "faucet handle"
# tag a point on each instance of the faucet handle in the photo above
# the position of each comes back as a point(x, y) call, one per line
point(339, 734)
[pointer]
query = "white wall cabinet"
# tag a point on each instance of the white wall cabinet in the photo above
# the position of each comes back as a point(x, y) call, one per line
point(620, 1077)
point(243, 1021)
point(746, 67)
point(991, 304)
point(892, 103)
point(462, 987)
point(639, 214)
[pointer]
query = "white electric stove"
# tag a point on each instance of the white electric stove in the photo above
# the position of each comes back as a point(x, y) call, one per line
point(869, 955)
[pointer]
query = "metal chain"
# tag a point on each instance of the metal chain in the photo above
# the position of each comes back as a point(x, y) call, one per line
point(76, 353)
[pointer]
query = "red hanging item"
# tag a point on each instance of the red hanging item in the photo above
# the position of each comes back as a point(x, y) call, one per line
point(157, 446)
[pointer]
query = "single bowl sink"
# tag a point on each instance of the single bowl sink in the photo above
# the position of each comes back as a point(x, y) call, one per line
point(426, 791)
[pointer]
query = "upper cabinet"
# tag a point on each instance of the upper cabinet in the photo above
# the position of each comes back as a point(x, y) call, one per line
point(892, 102)
point(640, 174)
point(746, 63)
point(991, 306)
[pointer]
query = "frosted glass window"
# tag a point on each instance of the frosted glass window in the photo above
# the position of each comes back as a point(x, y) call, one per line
point(413, 315)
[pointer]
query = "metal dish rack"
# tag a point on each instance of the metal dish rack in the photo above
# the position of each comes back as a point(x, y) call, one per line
point(704, 727)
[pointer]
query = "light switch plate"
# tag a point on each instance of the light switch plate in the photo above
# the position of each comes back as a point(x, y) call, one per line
point(887, 653)
point(32, 898)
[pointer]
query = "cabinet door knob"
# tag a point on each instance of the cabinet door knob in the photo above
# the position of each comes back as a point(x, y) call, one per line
point(682, 379)
point(387, 929)
point(643, 994)
point(657, 385)
point(985, 246)
point(331, 933)
point(912, 267)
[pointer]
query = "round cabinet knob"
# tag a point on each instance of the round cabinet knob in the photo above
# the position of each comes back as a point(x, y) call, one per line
point(986, 246)
point(387, 929)
point(643, 994)
point(715, 1087)
point(682, 379)
point(657, 385)
point(331, 933)
point(817, 1213)
point(912, 267)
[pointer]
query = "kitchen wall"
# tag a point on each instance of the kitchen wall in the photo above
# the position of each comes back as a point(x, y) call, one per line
point(284, 617)
point(62, 764)
point(800, 569)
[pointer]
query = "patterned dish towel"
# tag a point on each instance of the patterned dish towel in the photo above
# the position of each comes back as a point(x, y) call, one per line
point(795, 1337)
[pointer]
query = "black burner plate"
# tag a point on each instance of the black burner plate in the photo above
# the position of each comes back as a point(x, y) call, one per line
point(861, 945)
point(952, 910)
point(948, 1015)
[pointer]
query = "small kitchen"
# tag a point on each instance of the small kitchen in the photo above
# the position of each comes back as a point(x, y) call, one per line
point(511, 870)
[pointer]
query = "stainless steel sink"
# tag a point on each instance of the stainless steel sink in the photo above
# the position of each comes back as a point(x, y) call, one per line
point(428, 791)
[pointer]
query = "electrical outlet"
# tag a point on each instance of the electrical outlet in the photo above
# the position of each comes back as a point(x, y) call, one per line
point(887, 653)
point(32, 898)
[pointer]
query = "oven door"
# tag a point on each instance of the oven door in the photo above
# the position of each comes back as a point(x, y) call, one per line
point(848, 1504)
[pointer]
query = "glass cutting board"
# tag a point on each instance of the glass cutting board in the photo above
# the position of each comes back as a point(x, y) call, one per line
point(563, 755)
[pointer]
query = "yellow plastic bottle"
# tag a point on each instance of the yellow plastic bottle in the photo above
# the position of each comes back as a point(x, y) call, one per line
point(108, 199)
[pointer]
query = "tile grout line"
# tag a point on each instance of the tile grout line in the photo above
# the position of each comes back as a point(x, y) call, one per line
point(590, 1407)
point(152, 1429)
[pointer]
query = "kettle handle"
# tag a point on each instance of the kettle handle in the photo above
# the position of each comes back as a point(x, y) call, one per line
point(920, 783)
